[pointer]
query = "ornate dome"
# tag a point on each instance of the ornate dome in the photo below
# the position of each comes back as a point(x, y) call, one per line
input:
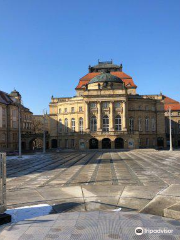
point(106, 77)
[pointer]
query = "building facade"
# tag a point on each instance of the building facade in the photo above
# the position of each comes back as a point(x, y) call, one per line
point(10, 108)
point(174, 106)
point(107, 113)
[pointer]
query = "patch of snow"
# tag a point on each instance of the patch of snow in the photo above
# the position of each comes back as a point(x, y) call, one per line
point(117, 210)
point(24, 157)
point(27, 212)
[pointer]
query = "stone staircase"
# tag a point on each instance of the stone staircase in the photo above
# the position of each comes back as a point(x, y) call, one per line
point(166, 203)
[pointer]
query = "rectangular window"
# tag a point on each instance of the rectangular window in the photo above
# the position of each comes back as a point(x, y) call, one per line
point(4, 122)
point(14, 136)
point(60, 126)
point(147, 124)
point(72, 109)
point(81, 125)
point(147, 142)
point(93, 105)
point(65, 110)
point(131, 124)
point(140, 124)
point(73, 124)
point(72, 143)
point(153, 125)
point(14, 113)
point(3, 112)
point(14, 124)
point(59, 110)
point(105, 104)
point(118, 123)
point(66, 143)
point(117, 104)
point(80, 109)
point(3, 137)
point(105, 124)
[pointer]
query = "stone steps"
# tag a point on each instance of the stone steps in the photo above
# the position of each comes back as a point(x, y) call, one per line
point(166, 203)
point(173, 211)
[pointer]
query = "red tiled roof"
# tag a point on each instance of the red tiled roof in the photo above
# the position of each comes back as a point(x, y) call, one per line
point(125, 78)
point(174, 107)
point(171, 103)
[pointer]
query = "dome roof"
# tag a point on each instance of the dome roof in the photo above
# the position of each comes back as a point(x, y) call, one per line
point(105, 77)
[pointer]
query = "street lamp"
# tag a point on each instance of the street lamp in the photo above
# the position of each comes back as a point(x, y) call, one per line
point(19, 125)
point(44, 131)
point(170, 130)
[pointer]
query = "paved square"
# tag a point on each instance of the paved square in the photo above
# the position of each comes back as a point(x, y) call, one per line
point(96, 180)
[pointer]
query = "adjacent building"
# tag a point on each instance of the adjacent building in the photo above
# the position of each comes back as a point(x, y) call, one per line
point(174, 105)
point(10, 108)
point(107, 112)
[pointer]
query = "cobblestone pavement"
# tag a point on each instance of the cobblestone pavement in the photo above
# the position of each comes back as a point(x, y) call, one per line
point(95, 225)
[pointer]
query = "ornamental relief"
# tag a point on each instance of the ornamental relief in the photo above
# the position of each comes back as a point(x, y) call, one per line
point(105, 112)
point(93, 114)
point(94, 111)
point(119, 110)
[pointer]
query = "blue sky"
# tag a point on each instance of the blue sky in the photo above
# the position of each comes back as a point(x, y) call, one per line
point(47, 45)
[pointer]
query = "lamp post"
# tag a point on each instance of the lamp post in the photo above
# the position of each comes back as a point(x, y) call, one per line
point(19, 124)
point(170, 130)
point(44, 131)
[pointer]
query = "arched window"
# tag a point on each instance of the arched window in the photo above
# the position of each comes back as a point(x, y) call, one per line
point(147, 124)
point(81, 125)
point(140, 124)
point(131, 124)
point(66, 125)
point(105, 123)
point(73, 124)
point(153, 125)
point(118, 123)
point(60, 125)
point(93, 124)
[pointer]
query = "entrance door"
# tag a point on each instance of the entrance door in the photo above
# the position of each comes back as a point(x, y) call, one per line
point(54, 143)
point(178, 143)
point(93, 143)
point(106, 143)
point(119, 143)
point(160, 142)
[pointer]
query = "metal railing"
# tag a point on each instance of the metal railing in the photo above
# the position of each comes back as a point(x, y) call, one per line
point(2, 182)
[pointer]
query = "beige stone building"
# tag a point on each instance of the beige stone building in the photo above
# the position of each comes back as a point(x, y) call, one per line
point(107, 113)
point(10, 107)
point(174, 106)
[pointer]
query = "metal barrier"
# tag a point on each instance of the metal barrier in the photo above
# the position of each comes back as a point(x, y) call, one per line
point(2, 182)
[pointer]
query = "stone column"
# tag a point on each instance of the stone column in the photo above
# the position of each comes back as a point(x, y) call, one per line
point(111, 118)
point(87, 114)
point(124, 116)
point(99, 117)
